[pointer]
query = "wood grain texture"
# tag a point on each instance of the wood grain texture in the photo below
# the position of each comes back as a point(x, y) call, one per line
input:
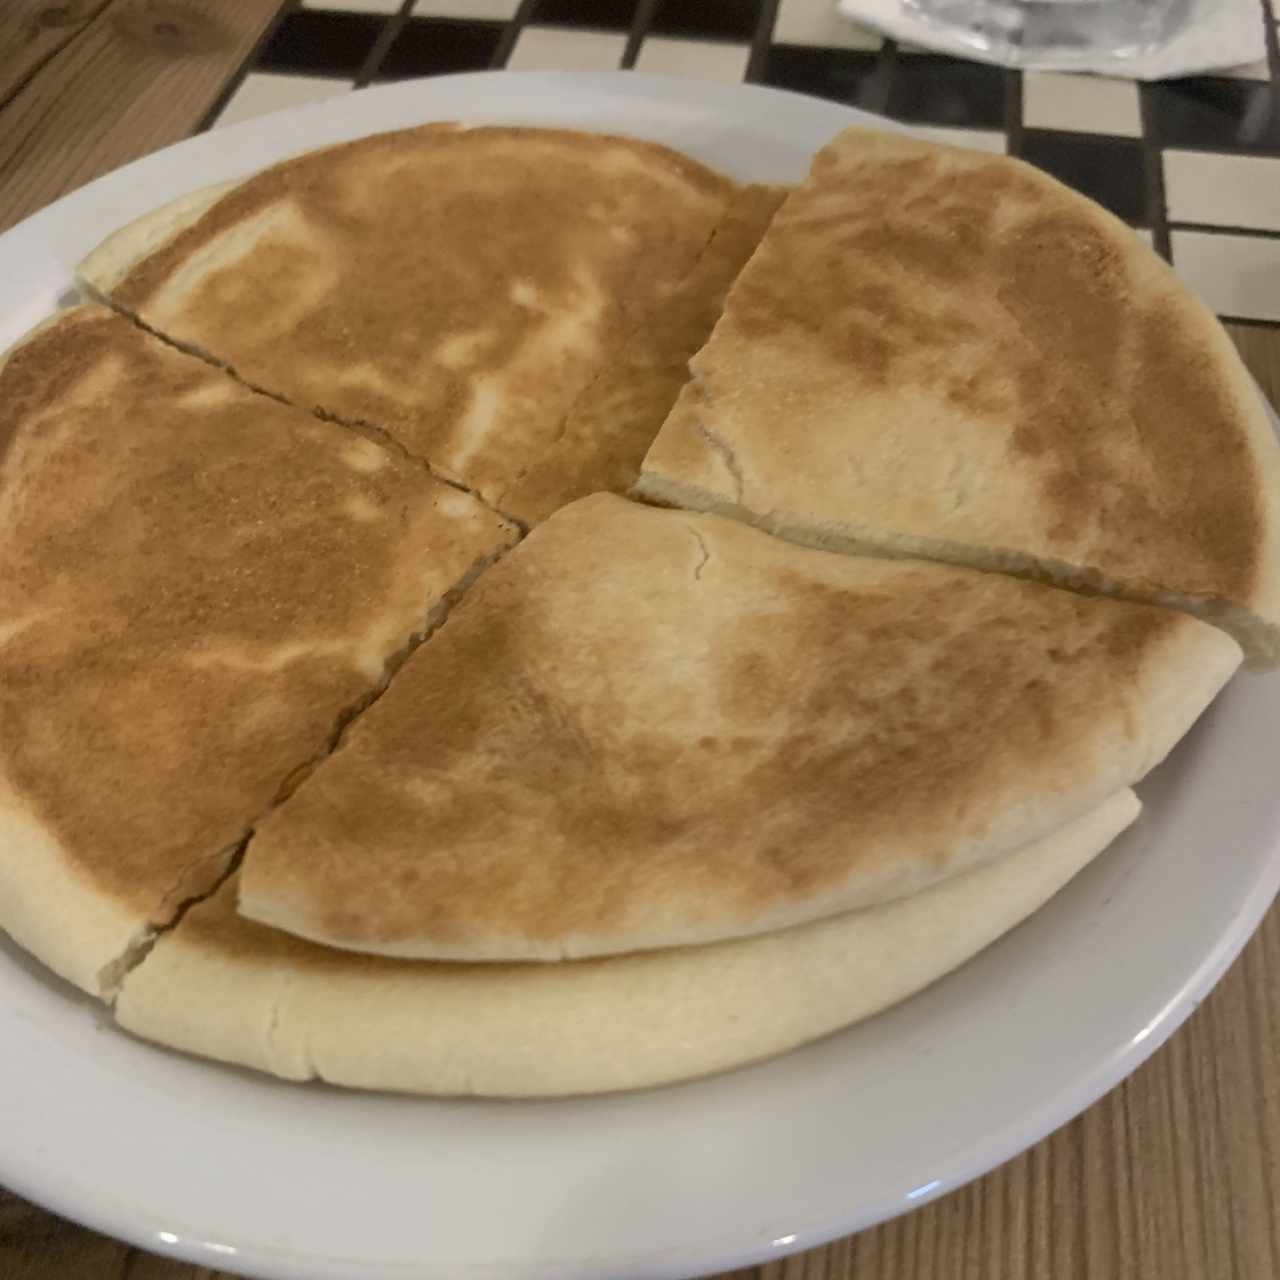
point(1175, 1175)
point(33, 31)
point(139, 75)
point(1259, 347)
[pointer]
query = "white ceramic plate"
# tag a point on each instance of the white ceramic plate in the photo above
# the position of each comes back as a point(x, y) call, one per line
point(237, 1171)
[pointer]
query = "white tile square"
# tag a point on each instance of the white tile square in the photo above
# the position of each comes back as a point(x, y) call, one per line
point(555, 49)
point(477, 10)
point(699, 59)
point(1249, 71)
point(818, 22)
point(1082, 104)
point(1222, 190)
point(1235, 275)
point(354, 6)
point(261, 92)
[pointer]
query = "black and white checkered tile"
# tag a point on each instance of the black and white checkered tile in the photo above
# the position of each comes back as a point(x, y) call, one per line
point(1192, 164)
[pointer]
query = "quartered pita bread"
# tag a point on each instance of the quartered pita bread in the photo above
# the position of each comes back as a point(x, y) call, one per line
point(461, 289)
point(644, 728)
point(226, 988)
point(948, 354)
point(196, 585)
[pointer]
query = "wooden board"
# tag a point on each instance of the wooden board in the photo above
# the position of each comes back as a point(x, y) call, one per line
point(33, 31)
point(139, 74)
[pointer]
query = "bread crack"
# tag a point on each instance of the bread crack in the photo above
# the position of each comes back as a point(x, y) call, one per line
point(435, 619)
point(380, 436)
point(607, 368)
point(702, 547)
point(367, 430)
point(722, 449)
point(113, 975)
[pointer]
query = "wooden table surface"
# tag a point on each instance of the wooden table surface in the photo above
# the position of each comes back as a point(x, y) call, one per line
point(1173, 1176)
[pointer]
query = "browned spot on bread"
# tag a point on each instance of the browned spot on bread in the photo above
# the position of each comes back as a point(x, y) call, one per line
point(906, 752)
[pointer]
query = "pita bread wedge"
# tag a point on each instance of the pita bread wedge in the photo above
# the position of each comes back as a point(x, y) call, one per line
point(226, 988)
point(647, 729)
point(460, 289)
point(947, 354)
point(196, 584)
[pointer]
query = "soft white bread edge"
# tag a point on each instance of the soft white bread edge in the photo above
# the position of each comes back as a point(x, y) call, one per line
point(80, 933)
point(633, 1021)
point(107, 265)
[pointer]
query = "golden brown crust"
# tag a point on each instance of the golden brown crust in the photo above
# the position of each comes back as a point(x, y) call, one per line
point(613, 422)
point(195, 581)
point(646, 728)
point(459, 288)
point(950, 353)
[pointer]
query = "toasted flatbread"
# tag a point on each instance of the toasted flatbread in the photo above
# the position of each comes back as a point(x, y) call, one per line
point(613, 422)
point(226, 988)
point(460, 289)
point(647, 729)
point(196, 585)
point(948, 354)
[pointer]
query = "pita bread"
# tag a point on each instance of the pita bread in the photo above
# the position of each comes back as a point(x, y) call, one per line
point(460, 289)
point(646, 729)
point(225, 988)
point(196, 585)
point(946, 354)
point(613, 422)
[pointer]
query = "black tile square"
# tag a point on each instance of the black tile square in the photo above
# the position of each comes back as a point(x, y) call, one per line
point(714, 19)
point(608, 15)
point(934, 90)
point(1208, 113)
point(846, 75)
point(321, 43)
point(1111, 171)
point(437, 46)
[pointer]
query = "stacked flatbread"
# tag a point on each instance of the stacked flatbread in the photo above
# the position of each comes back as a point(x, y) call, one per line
point(341, 777)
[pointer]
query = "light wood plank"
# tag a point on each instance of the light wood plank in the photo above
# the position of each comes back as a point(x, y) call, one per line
point(33, 31)
point(35, 1245)
point(140, 75)
point(1259, 347)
